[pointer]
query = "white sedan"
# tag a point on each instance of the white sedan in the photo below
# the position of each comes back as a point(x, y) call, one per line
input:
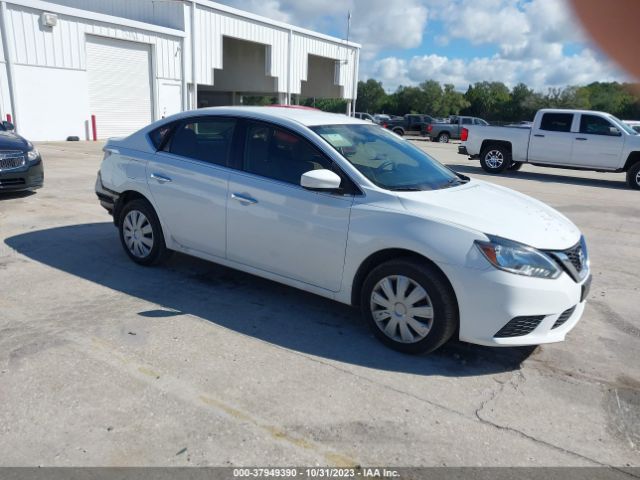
point(348, 210)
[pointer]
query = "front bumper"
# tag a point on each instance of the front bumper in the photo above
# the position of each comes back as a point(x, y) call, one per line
point(490, 299)
point(28, 177)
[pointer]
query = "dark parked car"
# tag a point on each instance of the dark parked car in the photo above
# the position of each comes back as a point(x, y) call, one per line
point(410, 123)
point(20, 162)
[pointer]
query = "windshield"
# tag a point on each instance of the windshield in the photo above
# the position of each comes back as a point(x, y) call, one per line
point(387, 160)
point(623, 126)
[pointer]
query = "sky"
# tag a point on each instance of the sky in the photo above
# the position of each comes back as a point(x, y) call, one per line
point(404, 42)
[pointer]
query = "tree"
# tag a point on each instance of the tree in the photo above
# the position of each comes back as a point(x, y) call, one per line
point(488, 100)
point(371, 96)
point(453, 102)
point(431, 99)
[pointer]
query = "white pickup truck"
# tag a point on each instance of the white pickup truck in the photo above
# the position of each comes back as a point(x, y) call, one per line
point(574, 139)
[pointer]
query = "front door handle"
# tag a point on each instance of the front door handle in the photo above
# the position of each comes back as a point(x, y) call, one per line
point(581, 138)
point(244, 199)
point(538, 135)
point(160, 178)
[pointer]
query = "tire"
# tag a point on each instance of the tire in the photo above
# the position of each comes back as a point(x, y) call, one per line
point(495, 159)
point(415, 275)
point(633, 176)
point(515, 166)
point(138, 221)
point(443, 137)
point(398, 131)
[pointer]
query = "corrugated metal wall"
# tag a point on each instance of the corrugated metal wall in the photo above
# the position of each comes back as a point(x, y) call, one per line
point(303, 45)
point(212, 25)
point(157, 12)
point(64, 45)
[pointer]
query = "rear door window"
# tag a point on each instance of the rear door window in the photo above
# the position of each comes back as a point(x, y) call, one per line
point(205, 139)
point(556, 122)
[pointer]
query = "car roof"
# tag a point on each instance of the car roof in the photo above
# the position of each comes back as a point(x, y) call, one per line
point(305, 116)
point(571, 110)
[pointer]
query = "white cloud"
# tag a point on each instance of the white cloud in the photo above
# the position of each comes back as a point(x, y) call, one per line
point(581, 68)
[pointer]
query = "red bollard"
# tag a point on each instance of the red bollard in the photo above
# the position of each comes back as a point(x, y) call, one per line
point(94, 128)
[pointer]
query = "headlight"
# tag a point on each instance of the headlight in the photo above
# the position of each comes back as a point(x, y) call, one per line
point(517, 258)
point(33, 155)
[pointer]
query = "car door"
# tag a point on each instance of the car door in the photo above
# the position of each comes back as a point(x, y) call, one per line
point(188, 179)
point(274, 224)
point(598, 143)
point(552, 141)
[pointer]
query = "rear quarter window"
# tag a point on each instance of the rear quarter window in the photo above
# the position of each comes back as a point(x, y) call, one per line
point(556, 122)
point(160, 135)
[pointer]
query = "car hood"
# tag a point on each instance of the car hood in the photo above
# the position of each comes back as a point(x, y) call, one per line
point(495, 210)
point(10, 141)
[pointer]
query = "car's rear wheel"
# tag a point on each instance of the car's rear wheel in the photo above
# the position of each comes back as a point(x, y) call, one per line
point(495, 159)
point(443, 137)
point(141, 234)
point(633, 176)
point(398, 131)
point(409, 306)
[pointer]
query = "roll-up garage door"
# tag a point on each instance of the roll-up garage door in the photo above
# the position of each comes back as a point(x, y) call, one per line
point(119, 85)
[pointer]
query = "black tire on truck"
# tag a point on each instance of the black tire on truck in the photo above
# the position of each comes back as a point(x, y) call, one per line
point(633, 176)
point(443, 137)
point(495, 158)
point(398, 131)
point(515, 166)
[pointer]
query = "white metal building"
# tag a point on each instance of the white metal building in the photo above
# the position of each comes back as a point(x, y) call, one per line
point(129, 62)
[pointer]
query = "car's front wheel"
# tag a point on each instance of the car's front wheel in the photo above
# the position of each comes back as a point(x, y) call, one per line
point(409, 306)
point(140, 233)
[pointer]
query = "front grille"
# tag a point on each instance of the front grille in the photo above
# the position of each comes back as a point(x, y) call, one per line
point(575, 257)
point(10, 159)
point(11, 182)
point(573, 260)
point(520, 326)
point(564, 316)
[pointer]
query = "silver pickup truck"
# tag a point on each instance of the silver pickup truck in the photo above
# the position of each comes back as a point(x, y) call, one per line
point(573, 139)
point(443, 132)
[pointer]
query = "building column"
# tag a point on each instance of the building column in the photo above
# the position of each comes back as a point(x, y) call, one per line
point(8, 59)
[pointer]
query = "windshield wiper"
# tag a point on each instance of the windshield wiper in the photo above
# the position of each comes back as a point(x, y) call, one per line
point(405, 189)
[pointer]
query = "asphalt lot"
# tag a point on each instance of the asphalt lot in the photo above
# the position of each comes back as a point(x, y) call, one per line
point(103, 362)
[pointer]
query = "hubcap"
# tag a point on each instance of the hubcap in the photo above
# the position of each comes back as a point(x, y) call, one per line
point(494, 158)
point(443, 138)
point(402, 309)
point(138, 234)
point(638, 178)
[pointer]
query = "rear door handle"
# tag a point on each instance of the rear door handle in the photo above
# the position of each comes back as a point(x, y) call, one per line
point(538, 135)
point(160, 178)
point(244, 199)
point(581, 138)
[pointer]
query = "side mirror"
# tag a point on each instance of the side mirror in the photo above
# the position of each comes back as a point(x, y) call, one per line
point(614, 132)
point(320, 180)
point(8, 125)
